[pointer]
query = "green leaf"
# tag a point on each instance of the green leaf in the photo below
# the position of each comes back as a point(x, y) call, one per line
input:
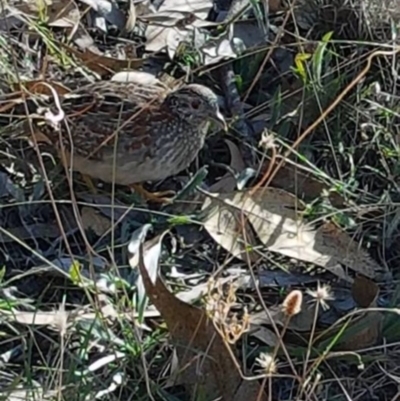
point(2, 273)
point(180, 220)
point(319, 57)
point(327, 37)
point(75, 272)
point(300, 65)
point(239, 82)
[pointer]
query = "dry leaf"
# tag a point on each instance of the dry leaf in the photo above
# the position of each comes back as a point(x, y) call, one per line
point(151, 252)
point(141, 77)
point(331, 240)
point(228, 183)
point(58, 13)
point(92, 219)
point(171, 14)
point(38, 318)
point(41, 87)
point(21, 392)
point(276, 5)
point(237, 38)
point(205, 364)
point(101, 64)
point(63, 14)
point(27, 231)
point(109, 11)
point(83, 40)
point(302, 322)
point(275, 217)
point(266, 336)
point(364, 329)
point(363, 332)
point(304, 185)
point(365, 292)
point(227, 227)
point(222, 48)
point(131, 21)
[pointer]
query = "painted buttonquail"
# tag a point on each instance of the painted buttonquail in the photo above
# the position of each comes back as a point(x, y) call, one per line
point(130, 133)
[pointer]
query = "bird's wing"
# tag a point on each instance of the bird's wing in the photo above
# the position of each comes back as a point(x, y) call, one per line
point(98, 115)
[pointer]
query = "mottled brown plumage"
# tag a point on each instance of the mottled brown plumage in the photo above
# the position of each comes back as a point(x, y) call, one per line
point(131, 133)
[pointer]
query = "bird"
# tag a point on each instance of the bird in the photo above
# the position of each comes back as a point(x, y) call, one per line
point(129, 133)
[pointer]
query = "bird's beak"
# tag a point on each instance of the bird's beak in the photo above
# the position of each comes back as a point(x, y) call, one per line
point(220, 120)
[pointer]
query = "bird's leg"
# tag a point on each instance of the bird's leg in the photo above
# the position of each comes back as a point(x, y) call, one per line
point(157, 197)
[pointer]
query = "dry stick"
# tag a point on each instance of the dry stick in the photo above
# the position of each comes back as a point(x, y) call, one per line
point(324, 114)
point(308, 352)
point(55, 209)
point(242, 217)
point(267, 57)
point(267, 173)
point(56, 120)
point(46, 179)
point(63, 156)
point(262, 302)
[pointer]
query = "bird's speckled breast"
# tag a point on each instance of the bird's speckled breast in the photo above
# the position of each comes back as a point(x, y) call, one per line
point(166, 157)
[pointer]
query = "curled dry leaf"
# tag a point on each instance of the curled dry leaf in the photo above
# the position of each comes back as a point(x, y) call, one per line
point(137, 238)
point(228, 182)
point(151, 252)
point(214, 51)
point(131, 20)
point(206, 365)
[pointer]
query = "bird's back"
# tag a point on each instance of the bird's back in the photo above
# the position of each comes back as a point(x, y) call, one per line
point(98, 114)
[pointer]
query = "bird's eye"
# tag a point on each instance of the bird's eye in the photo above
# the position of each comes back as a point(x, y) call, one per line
point(195, 103)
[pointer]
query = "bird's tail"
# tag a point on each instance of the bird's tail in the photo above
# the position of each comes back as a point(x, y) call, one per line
point(16, 113)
